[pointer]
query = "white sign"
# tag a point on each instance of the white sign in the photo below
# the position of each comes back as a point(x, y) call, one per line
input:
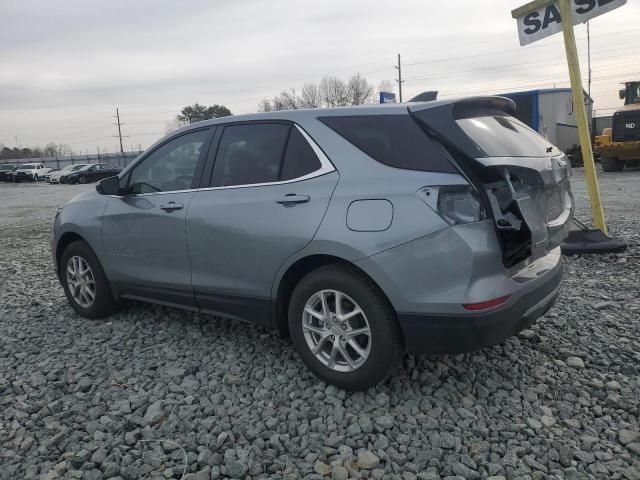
point(540, 22)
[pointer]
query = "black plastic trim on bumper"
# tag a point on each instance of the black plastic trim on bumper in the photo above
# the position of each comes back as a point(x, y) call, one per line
point(440, 334)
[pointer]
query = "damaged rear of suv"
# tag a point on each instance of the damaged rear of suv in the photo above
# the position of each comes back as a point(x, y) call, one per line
point(363, 232)
point(518, 208)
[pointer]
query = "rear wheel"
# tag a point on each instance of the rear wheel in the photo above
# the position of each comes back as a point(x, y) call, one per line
point(612, 164)
point(344, 329)
point(85, 283)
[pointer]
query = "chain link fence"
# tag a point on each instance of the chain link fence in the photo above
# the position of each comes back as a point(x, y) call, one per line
point(56, 163)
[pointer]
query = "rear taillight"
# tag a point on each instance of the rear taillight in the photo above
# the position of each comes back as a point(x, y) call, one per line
point(456, 204)
point(474, 307)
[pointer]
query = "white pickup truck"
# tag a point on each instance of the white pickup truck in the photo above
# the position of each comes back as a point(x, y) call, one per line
point(30, 171)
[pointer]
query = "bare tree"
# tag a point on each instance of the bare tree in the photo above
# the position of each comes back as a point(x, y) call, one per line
point(50, 150)
point(333, 91)
point(265, 105)
point(330, 92)
point(63, 149)
point(289, 100)
point(310, 96)
point(358, 90)
point(386, 86)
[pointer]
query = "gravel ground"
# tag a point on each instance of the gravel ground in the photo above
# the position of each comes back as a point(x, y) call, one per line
point(148, 391)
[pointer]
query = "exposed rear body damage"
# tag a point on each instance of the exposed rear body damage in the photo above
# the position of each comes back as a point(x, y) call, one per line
point(524, 181)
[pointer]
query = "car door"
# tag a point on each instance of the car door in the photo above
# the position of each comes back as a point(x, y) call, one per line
point(143, 230)
point(91, 173)
point(99, 172)
point(269, 190)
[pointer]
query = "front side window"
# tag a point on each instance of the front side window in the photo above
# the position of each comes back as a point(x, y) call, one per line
point(171, 167)
point(250, 154)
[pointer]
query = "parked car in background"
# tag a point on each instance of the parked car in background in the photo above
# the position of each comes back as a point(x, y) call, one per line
point(30, 171)
point(54, 177)
point(6, 171)
point(363, 232)
point(90, 173)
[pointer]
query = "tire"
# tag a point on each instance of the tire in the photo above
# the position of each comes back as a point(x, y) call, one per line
point(103, 303)
point(82, 179)
point(35, 177)
point(384, 344)
point(632, 163)
point(612, 164)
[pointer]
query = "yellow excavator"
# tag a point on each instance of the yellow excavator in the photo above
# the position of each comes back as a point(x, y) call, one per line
point(620, 145)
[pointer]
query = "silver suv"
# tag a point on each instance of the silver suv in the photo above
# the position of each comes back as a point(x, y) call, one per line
point(363, 233)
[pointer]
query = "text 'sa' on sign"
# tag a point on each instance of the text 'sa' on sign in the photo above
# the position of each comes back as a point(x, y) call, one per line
point(540, 19)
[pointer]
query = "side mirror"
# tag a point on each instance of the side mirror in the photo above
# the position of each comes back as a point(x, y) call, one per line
point(109, 186)
point(622, 93)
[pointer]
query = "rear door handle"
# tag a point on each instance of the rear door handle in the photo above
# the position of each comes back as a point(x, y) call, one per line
point(292, 199)
point(171, 206)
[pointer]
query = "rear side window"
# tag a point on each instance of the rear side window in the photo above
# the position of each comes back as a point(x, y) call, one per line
point(501, 135)
point(299, 159)
point(250, 154)
point(395, 140)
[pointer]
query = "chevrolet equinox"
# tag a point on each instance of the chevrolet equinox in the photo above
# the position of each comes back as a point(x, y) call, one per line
point(361, 232)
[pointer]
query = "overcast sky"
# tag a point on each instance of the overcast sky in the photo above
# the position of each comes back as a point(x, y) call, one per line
point(66, 65)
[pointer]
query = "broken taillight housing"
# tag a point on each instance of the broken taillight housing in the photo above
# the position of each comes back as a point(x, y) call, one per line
point(456, 204)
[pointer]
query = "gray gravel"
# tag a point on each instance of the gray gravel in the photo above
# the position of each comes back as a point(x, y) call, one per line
point(148, 393)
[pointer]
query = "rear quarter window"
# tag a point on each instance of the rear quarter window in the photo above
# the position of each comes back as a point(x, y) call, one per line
point(394, 140)
point(299, 158)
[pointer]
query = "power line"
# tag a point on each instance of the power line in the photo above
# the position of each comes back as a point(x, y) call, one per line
point(534, 85)
point(520, 49)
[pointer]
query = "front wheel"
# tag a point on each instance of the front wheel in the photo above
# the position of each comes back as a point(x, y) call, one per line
point(35, 177)
point(85, 283)
point(344, 328)
point(82, 179)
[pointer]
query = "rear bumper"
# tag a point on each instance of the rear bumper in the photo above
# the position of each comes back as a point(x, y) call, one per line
point(440, 334)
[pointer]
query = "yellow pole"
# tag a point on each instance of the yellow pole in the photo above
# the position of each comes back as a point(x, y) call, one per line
point(581, 114)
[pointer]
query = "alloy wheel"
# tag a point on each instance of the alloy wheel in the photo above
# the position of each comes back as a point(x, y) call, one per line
point(336, 330)
point(81, 282)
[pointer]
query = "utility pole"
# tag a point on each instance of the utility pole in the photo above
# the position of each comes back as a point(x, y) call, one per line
point(589, 59)
point(399, 79)
point(117, 116)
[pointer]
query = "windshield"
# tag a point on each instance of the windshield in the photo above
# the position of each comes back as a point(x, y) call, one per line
point(78, 167)
point(633, 93)
point(505, 136)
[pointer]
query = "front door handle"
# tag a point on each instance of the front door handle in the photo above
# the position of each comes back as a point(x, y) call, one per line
point(292, 199)
point(171, 206)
